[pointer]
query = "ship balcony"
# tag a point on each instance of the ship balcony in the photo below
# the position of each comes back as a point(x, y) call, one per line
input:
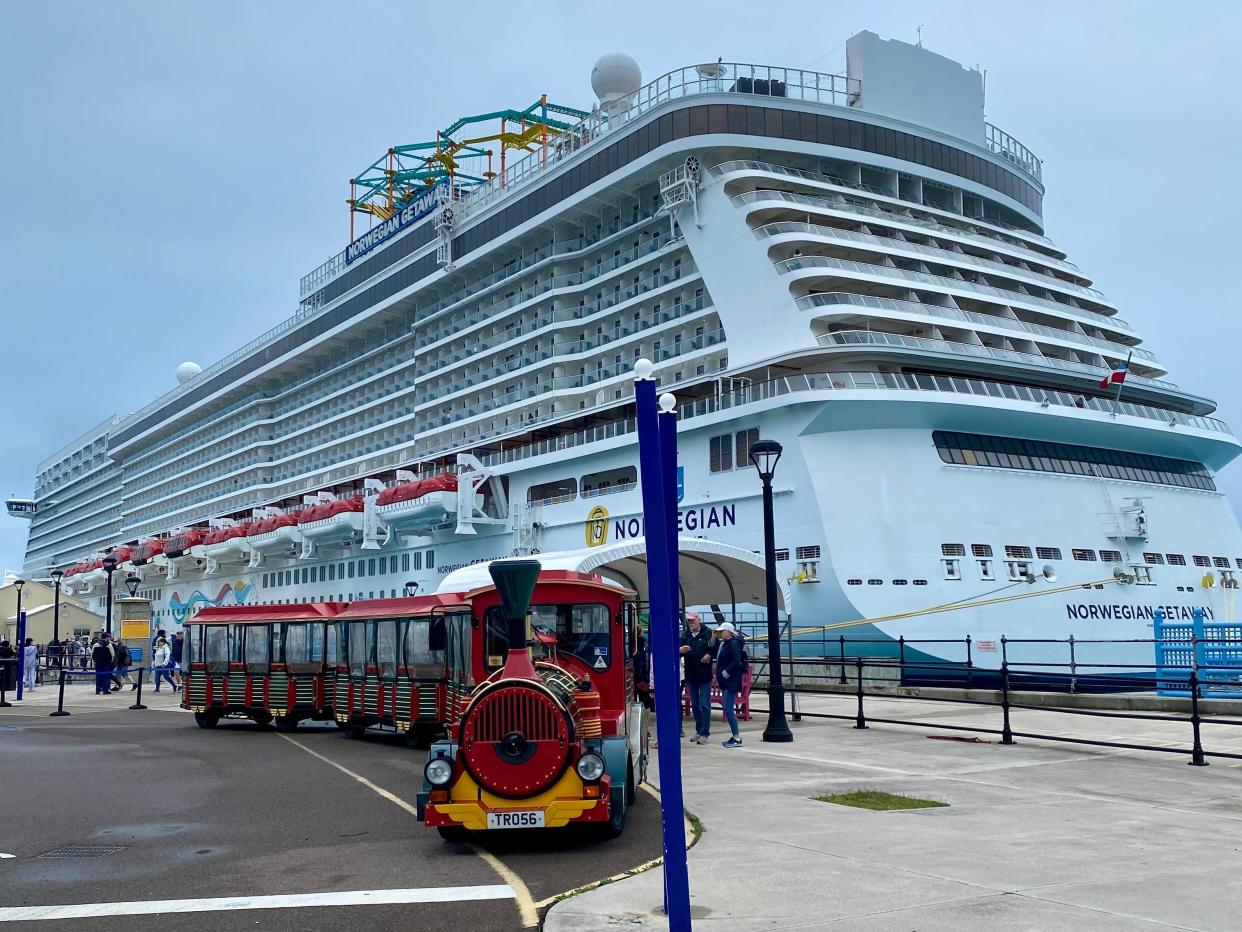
point(811, 269)
point(995, 232)
point(797, 232)
point(838, 304)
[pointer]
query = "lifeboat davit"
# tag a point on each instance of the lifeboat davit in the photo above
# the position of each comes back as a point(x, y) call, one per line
point(419, 506)
point(227, 543)
point(93, 572)
point(275, 533)
point(333, 522)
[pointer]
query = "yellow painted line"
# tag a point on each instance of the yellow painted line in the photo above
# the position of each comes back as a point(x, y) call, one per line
point(525, 902)
point(641, 868)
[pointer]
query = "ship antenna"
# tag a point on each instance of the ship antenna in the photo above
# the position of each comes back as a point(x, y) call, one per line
point(919, 30)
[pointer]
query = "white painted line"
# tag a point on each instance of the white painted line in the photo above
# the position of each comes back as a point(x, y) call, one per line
point(283, 901)
point(3, 856)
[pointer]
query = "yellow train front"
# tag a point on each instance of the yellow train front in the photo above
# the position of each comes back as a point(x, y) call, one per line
point(548, 743)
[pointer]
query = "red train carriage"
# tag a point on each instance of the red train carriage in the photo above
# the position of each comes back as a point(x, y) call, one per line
point(402, 664)
point(544, 743)
point(262, 662)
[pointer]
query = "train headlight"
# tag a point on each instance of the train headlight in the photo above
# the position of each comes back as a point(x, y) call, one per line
point(439, 771)
point(590, 767)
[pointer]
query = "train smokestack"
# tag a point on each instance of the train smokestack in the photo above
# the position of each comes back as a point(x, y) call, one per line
point(515, 584)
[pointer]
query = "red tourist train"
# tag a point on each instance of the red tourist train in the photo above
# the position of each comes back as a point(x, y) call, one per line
point(544, 734)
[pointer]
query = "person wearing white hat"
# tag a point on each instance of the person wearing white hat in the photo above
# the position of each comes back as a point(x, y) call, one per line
point(729, 676)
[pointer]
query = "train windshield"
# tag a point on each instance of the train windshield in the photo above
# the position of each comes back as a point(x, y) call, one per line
point(386, 648)
point(421, 659)
point(216, 648)
point(257, 644)
point(360, 642)
point(580, 630)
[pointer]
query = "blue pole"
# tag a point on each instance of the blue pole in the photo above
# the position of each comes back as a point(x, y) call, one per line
point(662, 593)
point(21, 653)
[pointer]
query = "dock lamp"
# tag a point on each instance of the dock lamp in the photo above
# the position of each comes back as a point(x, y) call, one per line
point(56, 575)
point(765, 454)
point(21, 639)
point(411, 589)
point(132, 582)
point(109, 567)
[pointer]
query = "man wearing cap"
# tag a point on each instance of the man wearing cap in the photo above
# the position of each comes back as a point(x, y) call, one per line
point(697, 647)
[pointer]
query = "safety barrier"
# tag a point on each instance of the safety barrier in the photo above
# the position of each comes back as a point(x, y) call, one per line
point(1010, 689)
point(717, 699)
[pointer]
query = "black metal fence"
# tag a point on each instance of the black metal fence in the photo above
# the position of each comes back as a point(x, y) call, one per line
point(1017, 686)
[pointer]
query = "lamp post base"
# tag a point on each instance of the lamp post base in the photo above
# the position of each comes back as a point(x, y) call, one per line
point(777, 730)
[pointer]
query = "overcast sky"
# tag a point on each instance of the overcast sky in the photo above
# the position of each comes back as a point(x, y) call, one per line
point(169, 170)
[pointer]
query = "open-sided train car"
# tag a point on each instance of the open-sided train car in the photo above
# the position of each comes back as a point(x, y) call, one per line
point(262, 662)
point(403, 664)
point(549, 742)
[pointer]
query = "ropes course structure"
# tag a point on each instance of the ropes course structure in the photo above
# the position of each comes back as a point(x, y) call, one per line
point(404, 172)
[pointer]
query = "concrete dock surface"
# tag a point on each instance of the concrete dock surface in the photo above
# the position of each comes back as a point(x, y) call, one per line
point(1037, 835)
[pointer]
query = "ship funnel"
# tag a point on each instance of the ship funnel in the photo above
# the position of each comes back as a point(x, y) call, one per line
point(515, 584)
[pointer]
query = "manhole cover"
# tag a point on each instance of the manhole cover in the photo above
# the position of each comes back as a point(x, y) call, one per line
point(83, 851)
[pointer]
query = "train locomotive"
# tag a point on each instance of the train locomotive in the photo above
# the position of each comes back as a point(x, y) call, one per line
point(550, 740)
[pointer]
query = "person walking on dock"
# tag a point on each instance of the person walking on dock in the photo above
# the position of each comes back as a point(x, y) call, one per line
point(160, 663)
point(101, 656)
point(122, 661)
point(30, 657)
point(697, 645)
point(729, 672)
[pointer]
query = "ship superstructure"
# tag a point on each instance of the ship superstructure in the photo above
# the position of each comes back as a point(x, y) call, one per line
point(855, 265)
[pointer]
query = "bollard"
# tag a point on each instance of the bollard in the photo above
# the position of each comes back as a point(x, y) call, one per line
point(1196, 751)
point(901, 660)
point(138, 699)
point(844, 681)
point(861, 721)
point(1006, 733)
point(970, 666)
point(60, 698)
point(1073, 666)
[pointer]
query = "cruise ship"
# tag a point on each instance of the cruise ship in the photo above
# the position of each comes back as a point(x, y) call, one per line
point(852, 264)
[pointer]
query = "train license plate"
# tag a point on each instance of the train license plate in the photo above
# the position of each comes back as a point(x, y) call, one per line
point(516, 818)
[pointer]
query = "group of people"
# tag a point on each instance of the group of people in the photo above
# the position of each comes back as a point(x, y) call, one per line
point(707, 655)
point(110, 657)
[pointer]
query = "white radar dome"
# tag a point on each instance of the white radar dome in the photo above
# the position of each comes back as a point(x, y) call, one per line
point(187, 371)
point(615, 76)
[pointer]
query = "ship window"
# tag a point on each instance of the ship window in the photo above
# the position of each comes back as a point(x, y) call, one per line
point(558, 490)
point(1175, 559)
point(1220, 562)
point(920, 582)
point(853, 582)
point(980, 550)
point(721, 455)
point(1017, 552)
point(609, 481)
point(901, 582)
point(953, 550)
point(1110, 556)
point(875, 582)
point(782, 553)
point(416, 560)
point(405, 562)
point(1048, 553)
point(1153, 558)
point(1087, 556)
point(431, 559)
point(744, 440)
point(808, 553)
point(985, 570)
point(952, 568)
point(331, 572)
point(351, 569)
point(1201, 561)
point(1013, 453)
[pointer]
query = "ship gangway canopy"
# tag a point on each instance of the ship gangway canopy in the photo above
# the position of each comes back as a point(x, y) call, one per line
point(711, 573)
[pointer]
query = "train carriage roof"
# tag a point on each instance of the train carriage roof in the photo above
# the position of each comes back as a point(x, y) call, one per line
point(402, 607)
point(265, 614)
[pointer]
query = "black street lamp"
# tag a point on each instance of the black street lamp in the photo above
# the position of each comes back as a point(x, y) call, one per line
point(765, 454)
point(109, 567)
point(411, 588)
point(17, 584)
point(56, 577)
point(132, 582)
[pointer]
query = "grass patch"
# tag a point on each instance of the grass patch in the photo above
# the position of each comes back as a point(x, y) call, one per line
point(879, 801)
point(696, 826)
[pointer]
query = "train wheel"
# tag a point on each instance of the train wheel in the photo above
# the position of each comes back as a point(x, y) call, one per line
point(205, 720)
point(616, 820)
point(452, 832)
point(354, 731)
point(286, 723)
point(339, 724)
point(263, 721)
